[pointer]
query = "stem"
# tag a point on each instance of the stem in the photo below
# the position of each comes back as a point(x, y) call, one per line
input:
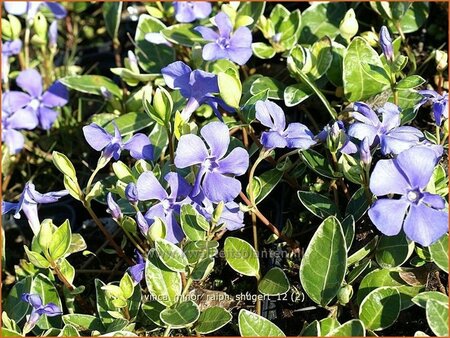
point(131, 238)
point(26, 47)
point(171, 150)
point(167, 331)
point(61, 277)
point(91, 179)
point(438, 135)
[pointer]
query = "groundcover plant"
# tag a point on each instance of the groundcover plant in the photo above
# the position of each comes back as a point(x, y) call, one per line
point(224, 168)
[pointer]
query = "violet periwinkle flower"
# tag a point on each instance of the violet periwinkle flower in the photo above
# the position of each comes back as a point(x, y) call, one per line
point(14, 119)
point(364, 151)
point(28, 203)
point(142, 223)
point(9, 48)
point(31, 7)
point(236, 46)
point(407, 176)
point(197, 86)
point(296, 135)
point(131, 193)
point(137, 271)
point(214, 172)
point(188, 11)
point(439, 102)
point(336, 136)
point(392, 137)
point(111, 146)
point(386, 44)
point(168, 205)
point(42, 103)
point(39, 309)
point(113, 208)
point(53, 34)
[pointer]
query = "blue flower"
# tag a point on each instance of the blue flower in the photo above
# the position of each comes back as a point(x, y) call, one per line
point(392, 138)
point(386, 44)
point(407, 177)
point(31, 7)
point(236, 46)
point(137, 271)
point(439, 102)
point(296, 135)
point(188, 11)
point(197, 86)
point(39, 309)
point(113, 208)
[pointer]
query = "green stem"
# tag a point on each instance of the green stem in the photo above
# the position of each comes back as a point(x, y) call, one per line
point(167, 331)
point(26, 47)
point(438, 135)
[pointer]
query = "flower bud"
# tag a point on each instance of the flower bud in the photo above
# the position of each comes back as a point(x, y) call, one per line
point(349, 25)
point(40, 26)
point(386, 44)
point(106, 93)
point(370, 37)
point(336, 136)
point(364, 151)
point(133, 63)
point(218, 212)
point(113, 208)
point(157, 229)
point(53, 35)
point(441, 58)
point(142, 223)
point(131, 193)
point(344, 294)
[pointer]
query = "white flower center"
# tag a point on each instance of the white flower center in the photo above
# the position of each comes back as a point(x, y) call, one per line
point(413, 196)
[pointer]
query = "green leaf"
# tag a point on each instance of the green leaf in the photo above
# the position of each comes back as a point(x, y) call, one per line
point(202, 269)
point(407, 101)
point(14, 306)
point(376, 73)
point(295, 94)
point(43, 287)
point(212, 319)
point(313, 329)
point(151, 57)
point(163, 284)
point(410, 82)
point(104, 304)
point(152, 309)
point(439, 252)
point(230, 89)
point(348, 227)
point(358, 204)
point(267, 181)
point(324, 264)
point(273, 87)
point(262, 50)
point(253, 9)
point(190, 224)
point(77, 244)
point(69, 331)
point(393, 251)
point(414, 18)
point(318, 204)
point(290, 29)
point(64, 165)
point(181, 315)
point(91, 84)
point(171, 255)
point(67, 270)
point(126, 285)
point(274, 283)
point(8, 332)
point(252, 325)
point(380, 308)
point(352, 328)
point(60, 241)
point(363, 252)
point(241, 256)
point(318, 163)
point(357, 86)
point(199, 250)
point(36, 259)
point(422, 298)
point(321, 19)
point(321, 57)
point(352, 169)
point(111, 13)
point(130, 123)
point(327, 325)
point(334, 72)
point(182, 34)
point(437, 317)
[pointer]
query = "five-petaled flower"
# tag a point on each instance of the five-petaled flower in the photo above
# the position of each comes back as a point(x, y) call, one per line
point(296, 135)
point(407, 176)
point(14, 119)
point(439, 102)
point(197, 86)
point(214, 168)
point(236, 46)
point(39, 102)
point(188, 11)
point(39, 309)
point(168, 205)
point(111, 146)
point(392, 137)
point(28, 203)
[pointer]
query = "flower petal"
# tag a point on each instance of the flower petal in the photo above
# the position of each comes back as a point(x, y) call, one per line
point(96, 136)
point(137, 272)
point(191, 150)
point(216, 135)
point(16, 7)
point(391, 116)
point(299, 136)
point(270, 115)
point(218, 187)
point(149, 188)
point(179, 187)
point(46, 117)
point(388, 215)
point(140, 147)
point(361, 130)
point(273, 139)
point(399, 140)
point(207, 33)
point(13, 101)
point(14, 140)
point(240, 55)
point(56, 96)
point(417, 164)
point(387, 179)
point(176, 76)
point(57, 9)
point(23, 119)
point(433, 200)
point(365, 110)
point(212, 51)
point(235, 163)
point(8, 207)
point(223, 22)
point(183, 12)
point(202, 9)
point(30, 81)
point(425, 225)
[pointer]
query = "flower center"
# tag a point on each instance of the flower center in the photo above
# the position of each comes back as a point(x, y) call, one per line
point(413, 196)
point(35, 103)
point(224, 43)
point(210, 163)
point(167, 203)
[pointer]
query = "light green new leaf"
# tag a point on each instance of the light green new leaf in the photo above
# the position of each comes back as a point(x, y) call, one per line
point(439, 252)
point(437, 317)
point(181, 315)
point(380, 308)
point(252, 325)
point(171, 255)
point(212, 319)
point(274, 283)
point(241, 256)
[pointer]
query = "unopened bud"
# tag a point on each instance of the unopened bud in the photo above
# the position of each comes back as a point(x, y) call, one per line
point(349, 25)
point(441, 58)
point(131, 193)
point(386, 44)
point(113, 208)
